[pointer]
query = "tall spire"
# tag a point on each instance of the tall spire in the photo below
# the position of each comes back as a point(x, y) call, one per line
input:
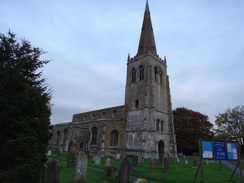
point(147, 42)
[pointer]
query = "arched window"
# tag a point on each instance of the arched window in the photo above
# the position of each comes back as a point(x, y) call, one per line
point(155, 74)
point(141, 73)
point(104, 115)
point(133, 75)
point(157, 125)
point(94, 136)
point(162, 125)
point(58, 137)
point(114, 135)
point(114, 114)
point(137, 104)
point(65, 136)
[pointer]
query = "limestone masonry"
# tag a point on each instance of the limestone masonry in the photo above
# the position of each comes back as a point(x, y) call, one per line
point(142, 126)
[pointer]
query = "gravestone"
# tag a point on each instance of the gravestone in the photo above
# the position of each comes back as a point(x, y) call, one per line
point(186, 161)
point(152, 164)
point(166, 164)
point(49, 153)
point(51, 172)
point(97, 160)
point(110, 171)
point(194, 163)
point(140, 160)
point(108, 162)
point(71, 159)
point(124, 170)
point(117, 156)
point(81, 168)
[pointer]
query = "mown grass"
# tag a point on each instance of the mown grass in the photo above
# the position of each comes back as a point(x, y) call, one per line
point(212, 173)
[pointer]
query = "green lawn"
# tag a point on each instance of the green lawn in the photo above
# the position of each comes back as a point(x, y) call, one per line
point(183, 174)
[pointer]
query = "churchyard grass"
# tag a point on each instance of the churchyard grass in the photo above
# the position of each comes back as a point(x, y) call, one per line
point(183, 174)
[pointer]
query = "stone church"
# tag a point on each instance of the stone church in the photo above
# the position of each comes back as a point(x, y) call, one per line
point(142, 126)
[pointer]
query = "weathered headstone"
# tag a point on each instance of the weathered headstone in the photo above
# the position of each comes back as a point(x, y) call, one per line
point(117, 156)
point(186, 161)
point(152, 164)
point(97, 160)
point(194, 163)
point(110, 171)
point(108, 162)
point(49, 153)
point(124, 170)
point(71, 159)
point(165, 164)
point(140, 160)
point(81, 168)
point(51, 173)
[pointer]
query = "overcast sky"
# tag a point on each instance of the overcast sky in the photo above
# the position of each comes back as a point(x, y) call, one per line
point(88, 44)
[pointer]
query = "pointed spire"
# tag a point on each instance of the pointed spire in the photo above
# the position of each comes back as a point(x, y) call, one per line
point(147, 42)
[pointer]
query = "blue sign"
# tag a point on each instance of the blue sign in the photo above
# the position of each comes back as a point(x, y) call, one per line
point(219, 150)
point(232, 151)
point(207, 150)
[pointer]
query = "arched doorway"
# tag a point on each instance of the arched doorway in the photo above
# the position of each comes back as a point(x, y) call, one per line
point(161, 150)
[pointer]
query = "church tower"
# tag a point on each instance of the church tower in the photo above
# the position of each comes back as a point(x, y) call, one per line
point(148, 112)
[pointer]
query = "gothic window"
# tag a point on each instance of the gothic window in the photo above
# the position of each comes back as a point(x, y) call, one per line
point(141, 73)
point(94, 136)
point(114, 138)
point(155, 75)
point(65, 136)
point(58, 137)
point(133, 75)
point(114, 114)
point(137, 104)
point(162, 125)
point(103, 114)
point(157, 125)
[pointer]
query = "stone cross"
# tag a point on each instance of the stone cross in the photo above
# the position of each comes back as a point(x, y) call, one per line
point(81, 168)
point(51, 172)
point(124, 170)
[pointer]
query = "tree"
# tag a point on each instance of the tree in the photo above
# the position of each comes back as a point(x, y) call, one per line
point(231, 124)
point(190, 126)
point(24, 111)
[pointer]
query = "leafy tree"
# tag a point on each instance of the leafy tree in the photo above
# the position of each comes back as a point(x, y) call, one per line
point(231, 124)
point(24, 111)
point(190, 126)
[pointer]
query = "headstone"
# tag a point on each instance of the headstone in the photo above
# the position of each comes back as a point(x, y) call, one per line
point(108, 162)
point(81, 168)
point(178, 160)
point(140, 160)
point(110, 171)
point(117, 156)
point(97, 160)
point(49, 153)
point(194, 163)
point(71, 159)
point(186, 161)
point(51, 172)
point(140, 180)
point(152, 164)
point(124, 170)
point(165, 164)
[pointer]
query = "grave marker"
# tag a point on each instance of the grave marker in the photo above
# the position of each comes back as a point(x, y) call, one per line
point(81, 168)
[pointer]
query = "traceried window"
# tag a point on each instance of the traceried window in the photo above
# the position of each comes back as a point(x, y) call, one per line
point(94, 136)
point(133, 75)
point(114, 136)
point(141, 73)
